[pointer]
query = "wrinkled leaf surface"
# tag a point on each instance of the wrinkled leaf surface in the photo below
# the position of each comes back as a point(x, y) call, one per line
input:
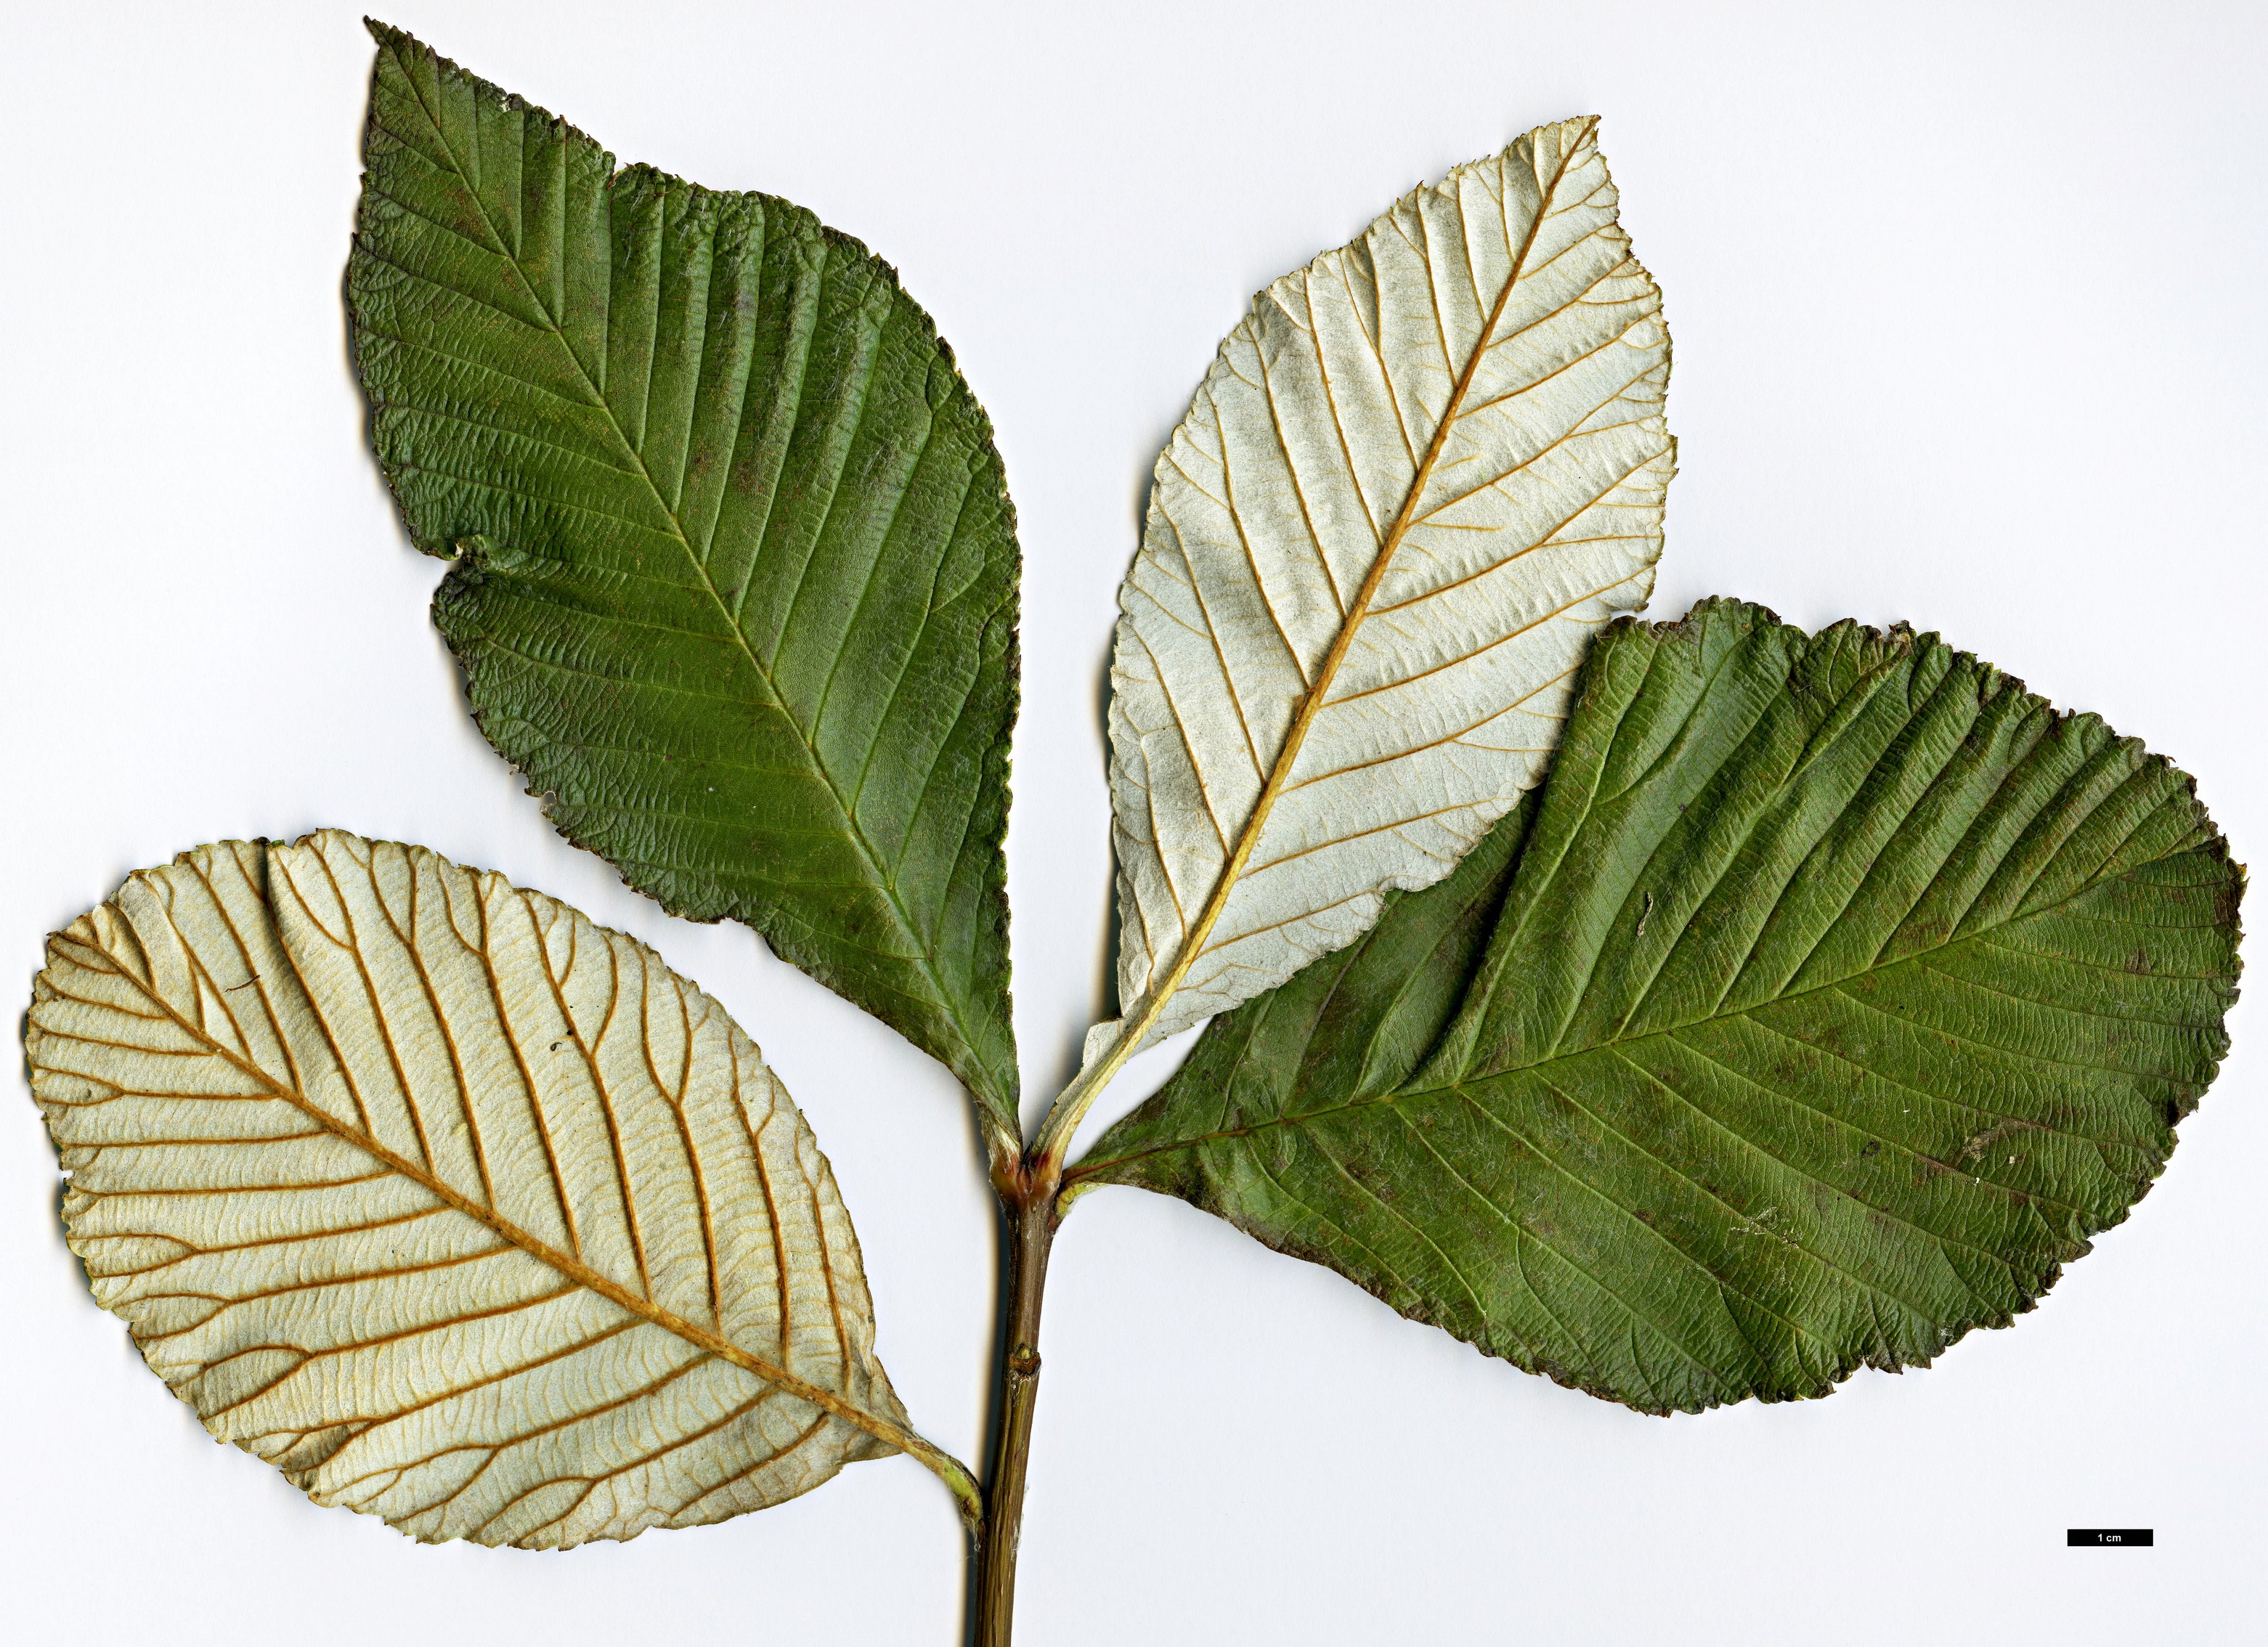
point(1839, 991)
point(738, 578)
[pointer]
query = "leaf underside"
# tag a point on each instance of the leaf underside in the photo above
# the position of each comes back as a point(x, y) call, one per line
point(1834, 994)
point(1419, 477)
point(459, 1208)
point(737, 589)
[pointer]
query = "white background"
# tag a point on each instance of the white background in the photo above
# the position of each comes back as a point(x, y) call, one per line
point(1967, 304)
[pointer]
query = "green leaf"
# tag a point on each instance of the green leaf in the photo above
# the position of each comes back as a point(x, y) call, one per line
point(738, 578)
point(1840, 991)
point(458, 1208)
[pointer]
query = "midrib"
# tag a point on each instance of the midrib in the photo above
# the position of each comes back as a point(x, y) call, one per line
point(851, 828)
point(1614, 1043)
point(1312, 704)
point(559, 1262)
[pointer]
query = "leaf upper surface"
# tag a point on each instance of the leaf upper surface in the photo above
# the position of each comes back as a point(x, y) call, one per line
point(1419, 477)
point(1838, 991)
point(459, 1208)
point(738, 584)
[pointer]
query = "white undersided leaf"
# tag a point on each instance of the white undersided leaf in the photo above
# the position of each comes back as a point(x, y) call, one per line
point(459, 1208)
point(1419, 477)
